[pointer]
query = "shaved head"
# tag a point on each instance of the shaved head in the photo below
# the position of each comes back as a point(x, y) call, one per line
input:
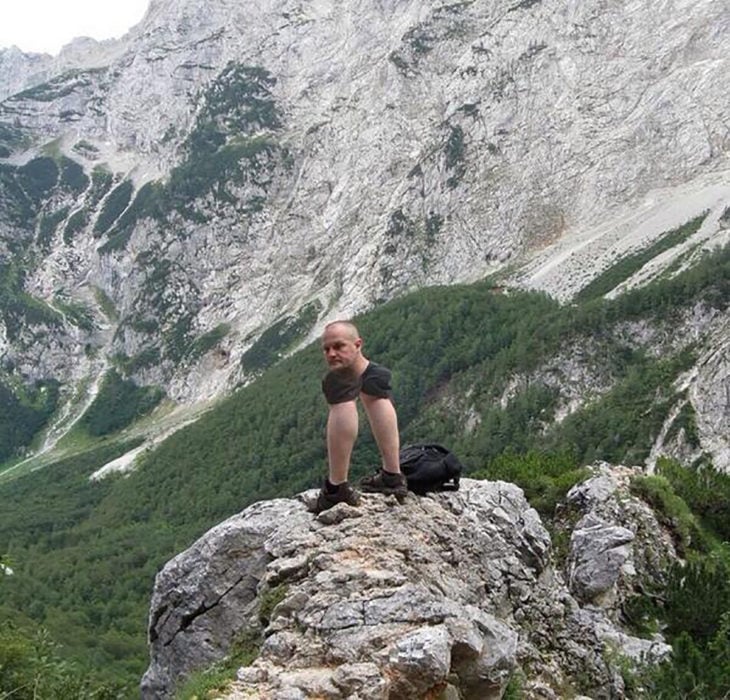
point(341, 345)
point(347, 327)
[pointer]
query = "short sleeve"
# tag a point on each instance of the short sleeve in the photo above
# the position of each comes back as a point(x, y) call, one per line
point(376, 381)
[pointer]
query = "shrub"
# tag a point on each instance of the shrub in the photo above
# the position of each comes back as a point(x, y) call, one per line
point(697, 595)
point(672, 511)
point(545, 478)
point(23, 412)
point(630, 264)
point(114, 205)
point(38, 177)
point(31, 668)
point(118, 403)
point(207, 341)
point(268, 600)
point(274, 342)
point(698, 614)
point(101, 182)
point(48, 224)
point(705, 490)
point(209, 683)
point(76, 222)
point(73, 176)
point(75, 313)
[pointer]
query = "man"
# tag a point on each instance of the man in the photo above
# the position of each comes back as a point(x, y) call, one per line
point(351, 376)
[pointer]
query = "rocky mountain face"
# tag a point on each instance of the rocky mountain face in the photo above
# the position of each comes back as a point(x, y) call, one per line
point(228, 168)
point(445, 596)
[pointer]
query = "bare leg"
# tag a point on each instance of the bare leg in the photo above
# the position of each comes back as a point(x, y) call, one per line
point(384, 424)
point(341, 435)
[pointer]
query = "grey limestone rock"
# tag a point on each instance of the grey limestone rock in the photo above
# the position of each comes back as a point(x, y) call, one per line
point(617, 546)
point(449, 592)
point(598, 551)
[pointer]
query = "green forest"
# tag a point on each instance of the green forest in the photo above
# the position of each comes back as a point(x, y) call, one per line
point(84, 553)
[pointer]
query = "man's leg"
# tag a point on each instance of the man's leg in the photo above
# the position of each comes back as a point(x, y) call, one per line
point(384, 424)
point(341, 436)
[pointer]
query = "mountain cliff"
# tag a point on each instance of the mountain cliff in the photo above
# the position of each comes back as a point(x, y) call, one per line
point(226, 173)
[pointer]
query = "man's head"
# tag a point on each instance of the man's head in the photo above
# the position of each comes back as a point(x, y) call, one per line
point(341, 345)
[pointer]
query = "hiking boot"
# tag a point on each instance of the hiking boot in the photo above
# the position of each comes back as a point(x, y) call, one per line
point(387, 483)
point(344, 493)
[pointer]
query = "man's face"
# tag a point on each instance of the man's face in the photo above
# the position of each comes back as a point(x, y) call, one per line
point(341, 347)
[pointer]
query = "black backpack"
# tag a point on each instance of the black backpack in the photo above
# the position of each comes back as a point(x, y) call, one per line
point(430, 468)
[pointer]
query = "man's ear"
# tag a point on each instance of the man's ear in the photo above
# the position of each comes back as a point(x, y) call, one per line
point(358, 343)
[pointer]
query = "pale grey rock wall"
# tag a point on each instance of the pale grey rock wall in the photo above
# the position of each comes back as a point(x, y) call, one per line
point(18, 68)
point(450, 590)
point(709, 394)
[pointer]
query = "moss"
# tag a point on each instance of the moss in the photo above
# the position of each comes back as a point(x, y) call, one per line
point(269, 600)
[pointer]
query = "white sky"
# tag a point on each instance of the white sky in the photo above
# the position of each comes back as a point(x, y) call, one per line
point(44, 26)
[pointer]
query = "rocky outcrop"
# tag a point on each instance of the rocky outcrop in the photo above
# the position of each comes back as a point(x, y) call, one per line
point(448, 593)
point(698, 427)
point(617, 548)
